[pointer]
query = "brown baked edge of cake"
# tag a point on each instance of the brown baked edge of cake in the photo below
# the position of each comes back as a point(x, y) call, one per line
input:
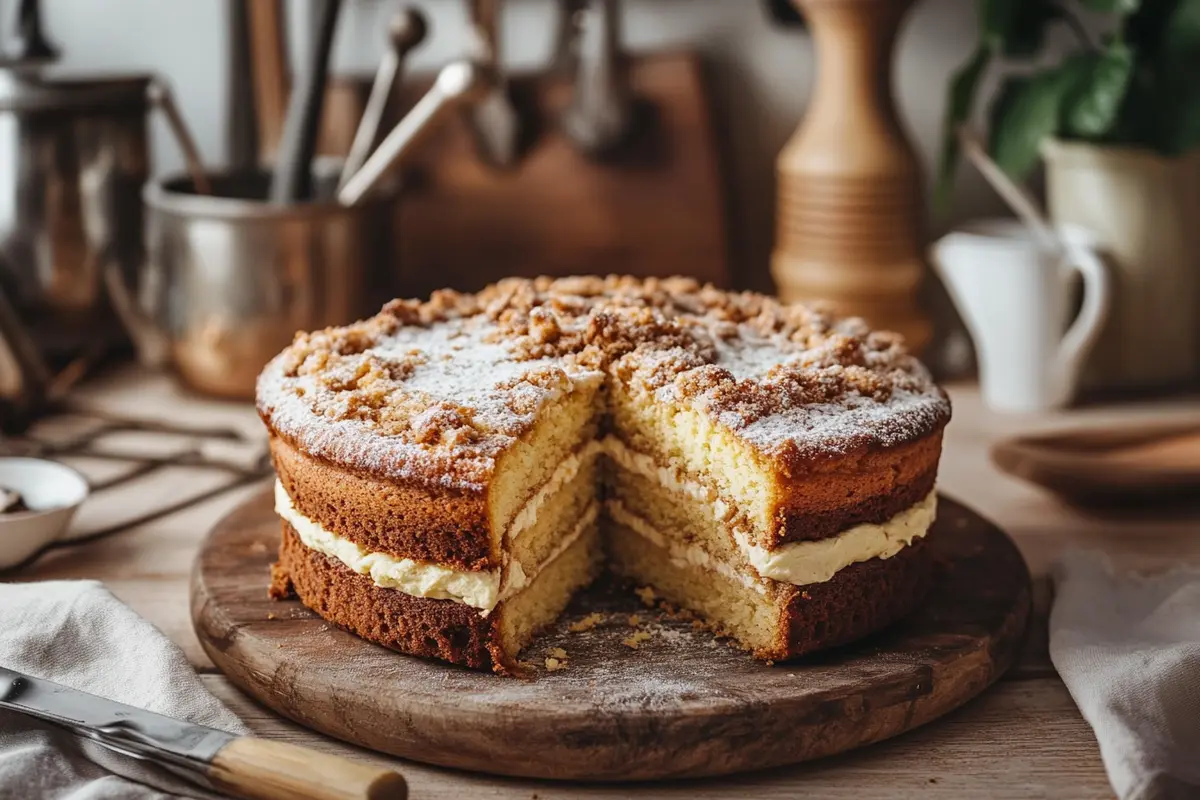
point(447, 527)
point(418, 626)
point(858, 601)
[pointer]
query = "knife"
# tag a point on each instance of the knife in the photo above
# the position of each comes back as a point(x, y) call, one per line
point(242, 766)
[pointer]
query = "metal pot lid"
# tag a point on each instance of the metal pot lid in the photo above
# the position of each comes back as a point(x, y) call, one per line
point(45, 90)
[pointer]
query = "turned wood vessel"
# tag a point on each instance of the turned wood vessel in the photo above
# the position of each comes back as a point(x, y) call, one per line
point(849, 218)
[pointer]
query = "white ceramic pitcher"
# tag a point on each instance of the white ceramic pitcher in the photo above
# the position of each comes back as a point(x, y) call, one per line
point(1015, 297)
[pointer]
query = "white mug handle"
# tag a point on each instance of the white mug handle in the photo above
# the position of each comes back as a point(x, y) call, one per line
point(1097, 296)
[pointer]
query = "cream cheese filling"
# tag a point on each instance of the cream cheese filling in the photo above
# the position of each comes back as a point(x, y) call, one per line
point(563, 474)
point(481, 589)
point(681, 554)
point(801, 563)
point(797, 563)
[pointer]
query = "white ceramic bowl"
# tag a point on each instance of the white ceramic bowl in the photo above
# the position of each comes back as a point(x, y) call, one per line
point(52, 491)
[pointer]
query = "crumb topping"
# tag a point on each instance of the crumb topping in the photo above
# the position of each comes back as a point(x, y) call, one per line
point(437, 390)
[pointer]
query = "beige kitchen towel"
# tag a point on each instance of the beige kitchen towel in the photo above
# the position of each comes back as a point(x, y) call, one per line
point(1128, 648)
point(77, 634)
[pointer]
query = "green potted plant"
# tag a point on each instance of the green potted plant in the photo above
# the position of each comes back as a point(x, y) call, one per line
point(1117, 123)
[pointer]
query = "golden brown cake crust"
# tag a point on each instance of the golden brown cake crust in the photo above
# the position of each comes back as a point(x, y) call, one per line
point(405, 520)
point(858, 601)
point(418, 626)
point(434, 392)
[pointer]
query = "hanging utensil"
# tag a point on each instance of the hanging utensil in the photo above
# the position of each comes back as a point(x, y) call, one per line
point(457, 83)
point(269, 72)
point(495, 121)
point(241, 132)
point(160, 95)
point(28, 44)
point(292, 181)
point(405, 31)
point(600, 114)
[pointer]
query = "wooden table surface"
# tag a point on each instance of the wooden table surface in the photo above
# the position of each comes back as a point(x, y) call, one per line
point(1022, 738)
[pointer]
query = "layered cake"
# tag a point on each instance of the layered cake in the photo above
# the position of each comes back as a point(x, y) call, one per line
point(452, 472)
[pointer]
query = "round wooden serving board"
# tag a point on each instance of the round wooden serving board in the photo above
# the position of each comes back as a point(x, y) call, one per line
point(680, 704)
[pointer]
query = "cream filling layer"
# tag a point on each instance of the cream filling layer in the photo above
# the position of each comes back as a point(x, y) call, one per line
point(481, 589)
point(563, 474)
point(802, 563)
point(681, 554)
point(798, 563)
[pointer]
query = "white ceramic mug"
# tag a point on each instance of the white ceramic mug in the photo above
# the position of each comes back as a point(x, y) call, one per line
point(1014, 294)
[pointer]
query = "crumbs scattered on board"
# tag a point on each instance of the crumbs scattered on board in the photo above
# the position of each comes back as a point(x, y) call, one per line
point(634, 620)
point(556, 659)
point(634, 640)
point(646, 594)
point(586, 624)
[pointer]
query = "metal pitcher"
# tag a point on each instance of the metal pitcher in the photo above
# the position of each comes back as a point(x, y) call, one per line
point(73, 160)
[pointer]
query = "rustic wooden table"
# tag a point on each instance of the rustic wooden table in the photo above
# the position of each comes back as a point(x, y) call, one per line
point(1022, 738)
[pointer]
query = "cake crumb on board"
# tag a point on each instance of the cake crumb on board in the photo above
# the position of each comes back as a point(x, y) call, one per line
point(634, 620)
point(646, 595)
point(556, 659)
point(586, 624)
point(634, 641)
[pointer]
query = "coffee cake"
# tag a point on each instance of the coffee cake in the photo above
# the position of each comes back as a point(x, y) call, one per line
point(452, 471)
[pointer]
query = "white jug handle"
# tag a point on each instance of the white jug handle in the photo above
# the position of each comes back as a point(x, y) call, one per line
point(1097, 296)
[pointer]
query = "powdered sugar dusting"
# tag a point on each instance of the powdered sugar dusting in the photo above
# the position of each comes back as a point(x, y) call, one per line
point(436, 391)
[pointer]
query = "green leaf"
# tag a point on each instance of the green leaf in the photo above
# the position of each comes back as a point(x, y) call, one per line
point(1179, 77)
point(960, 100)
point(1112, 6)
point(1016, 28)
point(1096, 94)
point(1026, 112)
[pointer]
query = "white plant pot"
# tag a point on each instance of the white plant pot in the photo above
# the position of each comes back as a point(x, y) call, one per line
point(1144, 212)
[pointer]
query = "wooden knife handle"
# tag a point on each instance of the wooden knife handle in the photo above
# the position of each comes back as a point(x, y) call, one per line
point(258, 769)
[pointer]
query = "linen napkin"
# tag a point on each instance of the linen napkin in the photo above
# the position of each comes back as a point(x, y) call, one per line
point(1128, 648)
point(77, 634)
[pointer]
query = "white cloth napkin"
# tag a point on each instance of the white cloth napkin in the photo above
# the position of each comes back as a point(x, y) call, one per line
point(1128, 648)
point(77, 634)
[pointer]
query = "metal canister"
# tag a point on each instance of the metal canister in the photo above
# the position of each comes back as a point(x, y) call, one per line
point(229, 278)
point(73, 160)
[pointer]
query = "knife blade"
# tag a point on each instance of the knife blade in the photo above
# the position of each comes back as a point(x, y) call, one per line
point(243, 766)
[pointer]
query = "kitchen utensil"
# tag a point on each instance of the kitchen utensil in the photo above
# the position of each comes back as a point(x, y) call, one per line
point(1109, 464)
point(230, 278)
point(241, 139)
point(457, 82)
point(239, 765)
point(27, 43)
point(161, 96)
point(405, 31)
point(1019, 200)
point(292, 179)
point(269, 72)
point(1015, 297)
point(52, 492)
point(849, 212)
point(564, 54)
point(605, 717)
point(601, 110)
point(495, 120)
point(73, 159)
point(659, 208)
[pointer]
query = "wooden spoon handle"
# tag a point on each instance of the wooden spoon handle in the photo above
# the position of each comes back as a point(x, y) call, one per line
point(258, 769)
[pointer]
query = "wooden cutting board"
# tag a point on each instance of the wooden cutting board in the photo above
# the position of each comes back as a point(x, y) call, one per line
point(681, 704)
point(657, 207)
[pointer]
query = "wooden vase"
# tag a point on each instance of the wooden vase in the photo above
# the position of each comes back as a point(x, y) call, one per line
point(849, 219)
